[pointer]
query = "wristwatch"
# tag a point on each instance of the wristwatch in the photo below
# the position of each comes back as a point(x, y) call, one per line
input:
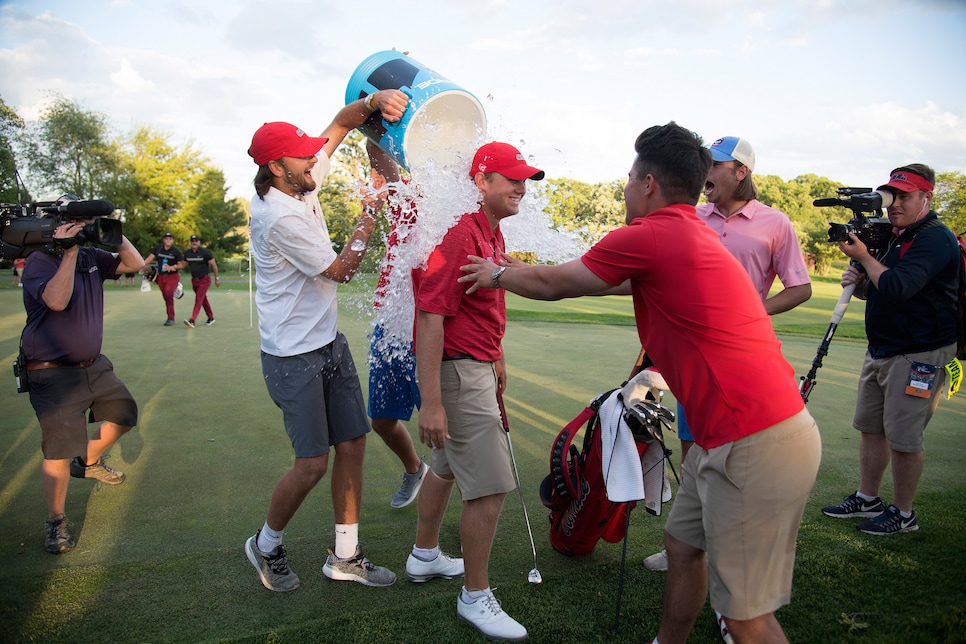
point(496, 275)
point(368, 103)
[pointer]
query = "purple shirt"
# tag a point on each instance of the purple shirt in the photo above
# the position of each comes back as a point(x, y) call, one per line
point(764, 242)
point(75, 334)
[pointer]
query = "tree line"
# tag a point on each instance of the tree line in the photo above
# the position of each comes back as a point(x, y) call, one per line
point(159, 187)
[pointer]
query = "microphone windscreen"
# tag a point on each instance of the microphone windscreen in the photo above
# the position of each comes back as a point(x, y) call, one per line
point(89, 209)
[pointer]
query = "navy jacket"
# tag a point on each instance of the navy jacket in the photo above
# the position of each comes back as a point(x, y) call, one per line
point(914, 307)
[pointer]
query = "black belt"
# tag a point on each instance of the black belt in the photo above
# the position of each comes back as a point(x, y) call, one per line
point(458, 356)
point(34, 366)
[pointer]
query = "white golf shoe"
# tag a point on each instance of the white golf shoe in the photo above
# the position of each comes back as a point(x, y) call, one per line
point(486, 615)
point(442, 567)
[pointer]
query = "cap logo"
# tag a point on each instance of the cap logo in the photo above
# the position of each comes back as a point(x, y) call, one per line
point(299, 132)
point(519, 157)
point(718, 142)
point(899, 176)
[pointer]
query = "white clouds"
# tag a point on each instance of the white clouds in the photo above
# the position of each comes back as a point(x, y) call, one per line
point(128, 80)
point(577, 85)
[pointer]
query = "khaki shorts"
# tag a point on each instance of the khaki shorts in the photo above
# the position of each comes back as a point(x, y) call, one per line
point(883, 406)
point(742, 503)
point(476, 452)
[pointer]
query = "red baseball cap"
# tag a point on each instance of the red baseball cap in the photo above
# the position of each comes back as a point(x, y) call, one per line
point(275, 140)
point(905, 181)
point(504, 159)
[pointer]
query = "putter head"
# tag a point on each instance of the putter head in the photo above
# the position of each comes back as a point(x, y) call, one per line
point(534, 577)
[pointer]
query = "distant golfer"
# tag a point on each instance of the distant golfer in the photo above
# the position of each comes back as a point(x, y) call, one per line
point(757, 450)
point(305, 359)
point(201, 263)
point(168, 260)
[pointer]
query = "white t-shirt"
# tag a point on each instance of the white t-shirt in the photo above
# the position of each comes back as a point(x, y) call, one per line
point(297, 309)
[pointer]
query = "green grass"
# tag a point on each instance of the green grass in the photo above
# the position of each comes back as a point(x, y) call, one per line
point(160, 558)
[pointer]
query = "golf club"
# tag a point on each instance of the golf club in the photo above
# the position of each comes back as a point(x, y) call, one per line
point(534, 577)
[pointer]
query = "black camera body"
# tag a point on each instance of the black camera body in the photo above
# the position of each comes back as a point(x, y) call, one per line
point(874, 232)
point(24, 229)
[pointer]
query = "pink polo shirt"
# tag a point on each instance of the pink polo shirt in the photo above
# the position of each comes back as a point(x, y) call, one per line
point(764, 242)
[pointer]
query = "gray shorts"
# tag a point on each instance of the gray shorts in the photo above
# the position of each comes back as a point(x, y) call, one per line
point(62, 396)
point(883, 406)
point(476, 452)
point(319, 395)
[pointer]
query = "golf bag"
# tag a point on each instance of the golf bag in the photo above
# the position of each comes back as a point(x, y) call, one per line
point(580, 513)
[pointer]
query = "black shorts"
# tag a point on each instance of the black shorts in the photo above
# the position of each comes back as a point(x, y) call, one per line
point(62, 396)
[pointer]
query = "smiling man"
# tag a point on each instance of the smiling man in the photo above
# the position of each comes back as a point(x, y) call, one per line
point(461, 370)
point(910, 320)
point(306, 362)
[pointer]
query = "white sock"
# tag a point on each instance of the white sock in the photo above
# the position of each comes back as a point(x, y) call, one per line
point(426, 554)
point(268, 539)
point(471, 596)
point(864, 497)
point(346, 539)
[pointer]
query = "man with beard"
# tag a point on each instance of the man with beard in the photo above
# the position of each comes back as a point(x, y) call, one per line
point(306, 362)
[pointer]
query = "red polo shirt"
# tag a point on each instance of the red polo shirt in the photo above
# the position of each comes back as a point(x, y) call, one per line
point(474, 324)
point(702, 322)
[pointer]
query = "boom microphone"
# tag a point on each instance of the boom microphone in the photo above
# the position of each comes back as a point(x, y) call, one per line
point(88, 209)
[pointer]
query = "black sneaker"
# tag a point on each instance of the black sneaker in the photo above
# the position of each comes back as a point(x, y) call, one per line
point(854, 507)
point(272, 567)
point(56, 538)
point(889, 522)
point(189, 323)
point(209, 321)
point(169, 323)
point(97, 471)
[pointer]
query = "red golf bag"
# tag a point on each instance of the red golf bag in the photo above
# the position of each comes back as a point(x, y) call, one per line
point(580, 513)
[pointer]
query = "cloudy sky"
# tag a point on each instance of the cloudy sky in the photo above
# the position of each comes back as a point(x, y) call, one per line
point(846, 89)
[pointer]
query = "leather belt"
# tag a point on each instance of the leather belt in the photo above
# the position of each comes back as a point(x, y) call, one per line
point(458, 356)
point(34, 366)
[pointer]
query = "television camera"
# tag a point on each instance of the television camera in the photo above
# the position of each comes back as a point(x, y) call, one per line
point(875, 231)
point(26, 229)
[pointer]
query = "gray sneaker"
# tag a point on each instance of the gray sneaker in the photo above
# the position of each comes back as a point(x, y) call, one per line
point(442, 567)
point(357, 568)
point(56, 538)
point(410, 486)
point(97, 471)
point(273, 570)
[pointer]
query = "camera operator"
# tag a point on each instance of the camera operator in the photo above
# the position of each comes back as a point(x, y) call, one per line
point(66, 373)
point(170, 260)
point(910, 321)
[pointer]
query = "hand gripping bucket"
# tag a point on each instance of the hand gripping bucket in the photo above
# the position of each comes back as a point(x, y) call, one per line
point(442, 121)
